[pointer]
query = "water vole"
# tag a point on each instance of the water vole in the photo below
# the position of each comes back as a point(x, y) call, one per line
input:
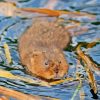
point(41, 49)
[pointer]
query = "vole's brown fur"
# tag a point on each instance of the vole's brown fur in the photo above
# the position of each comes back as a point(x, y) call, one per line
point(41, 48)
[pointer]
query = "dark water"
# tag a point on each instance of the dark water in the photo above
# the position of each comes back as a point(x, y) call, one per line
point(12, 27)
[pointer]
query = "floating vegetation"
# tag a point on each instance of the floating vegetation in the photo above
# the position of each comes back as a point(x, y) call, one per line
point(7, 53)
point(88, 66)
point(7, 74)
point(77, 90)
point(21, 96)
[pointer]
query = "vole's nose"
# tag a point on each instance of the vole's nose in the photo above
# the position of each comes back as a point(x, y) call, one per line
point(56, 69)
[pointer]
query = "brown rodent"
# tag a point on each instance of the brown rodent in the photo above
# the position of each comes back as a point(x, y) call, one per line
point(41, 48)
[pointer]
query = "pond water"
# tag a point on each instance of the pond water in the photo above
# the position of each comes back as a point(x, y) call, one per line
point(12, 27)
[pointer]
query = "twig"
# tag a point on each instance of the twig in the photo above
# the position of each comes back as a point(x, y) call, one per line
point(17, 95)
point(21, 96)
point(87, 68)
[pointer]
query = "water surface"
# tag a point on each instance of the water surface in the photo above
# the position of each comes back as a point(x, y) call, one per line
point(12, 27)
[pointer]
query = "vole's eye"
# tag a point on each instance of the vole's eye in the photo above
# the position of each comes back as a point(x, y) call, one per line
point(46, 63)
point(59, 62)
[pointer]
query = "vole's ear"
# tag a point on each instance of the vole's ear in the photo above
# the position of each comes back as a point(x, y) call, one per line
point(56, 50)
point(36, 53)
point(35, 56)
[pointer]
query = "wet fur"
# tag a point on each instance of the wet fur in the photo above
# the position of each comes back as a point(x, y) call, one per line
point(43, 43)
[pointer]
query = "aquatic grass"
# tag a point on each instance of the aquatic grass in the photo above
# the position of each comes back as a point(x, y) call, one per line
point(7, 53)
point(77, 90)
point(9, 75)
point(68, 79)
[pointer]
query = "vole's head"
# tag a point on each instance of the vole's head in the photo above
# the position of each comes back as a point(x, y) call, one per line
point(49, 64)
